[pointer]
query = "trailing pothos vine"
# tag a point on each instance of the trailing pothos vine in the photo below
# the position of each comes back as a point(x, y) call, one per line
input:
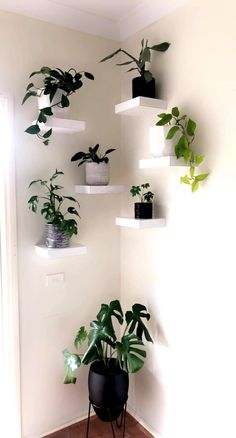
point(183, 129)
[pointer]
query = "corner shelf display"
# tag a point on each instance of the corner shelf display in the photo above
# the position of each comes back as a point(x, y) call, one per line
point(63, 126)
point(55, 253)
point(164, 161)
point(140, 105)
point(140, 223)
point(98, 190)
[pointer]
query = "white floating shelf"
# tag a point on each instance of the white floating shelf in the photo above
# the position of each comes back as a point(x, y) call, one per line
point(140, 105)
point(139, 223)
point(63, 126)
point(167, 161)
point(54, 253)
point(98, 190)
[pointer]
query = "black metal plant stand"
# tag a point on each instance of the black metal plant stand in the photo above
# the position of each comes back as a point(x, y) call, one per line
point(119, 424)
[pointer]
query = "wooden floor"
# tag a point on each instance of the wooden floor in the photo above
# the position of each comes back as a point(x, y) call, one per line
point(99, 429)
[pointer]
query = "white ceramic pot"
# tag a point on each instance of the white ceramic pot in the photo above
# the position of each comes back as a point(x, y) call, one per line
point(96, 174)
point(44, 101)
point(159, 146)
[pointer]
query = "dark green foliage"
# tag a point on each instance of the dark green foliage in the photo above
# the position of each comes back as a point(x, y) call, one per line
point(184, 128)
point(144, 56)
point(52, 203)
point(92, 156)
point(103, 342)
point(139, 191)
point(53, 80)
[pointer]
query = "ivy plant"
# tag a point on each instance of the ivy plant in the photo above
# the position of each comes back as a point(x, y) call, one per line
point(144, 56)
point(52, 204)
point(92, 156)
point(183, 129)
point(101, 342)
point(139, 191)
point(53, 79)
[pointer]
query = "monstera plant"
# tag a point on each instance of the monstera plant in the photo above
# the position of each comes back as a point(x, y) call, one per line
point(110, 354)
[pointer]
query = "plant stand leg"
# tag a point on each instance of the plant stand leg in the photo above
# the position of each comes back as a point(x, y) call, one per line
point(88, 420)
point(124, 412)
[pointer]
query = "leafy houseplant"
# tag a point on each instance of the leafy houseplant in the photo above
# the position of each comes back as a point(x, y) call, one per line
point(142, 209)
point(182, 127)
point(96, 166)
point(112, 357)
point(58, 228)
point(53, 81)
point(145, 84)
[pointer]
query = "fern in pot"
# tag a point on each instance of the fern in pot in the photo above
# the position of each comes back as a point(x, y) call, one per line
point(96, 165)
point(111, 356)
point(59, 228)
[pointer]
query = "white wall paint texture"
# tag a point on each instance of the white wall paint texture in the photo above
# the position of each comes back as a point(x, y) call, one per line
point(184, 272)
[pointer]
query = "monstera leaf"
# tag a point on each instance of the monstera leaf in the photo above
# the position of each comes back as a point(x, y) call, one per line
point(97, 334)
point(105, 316)
point(71, 363)
point(81, 336)
point(134, 320)
point(128, 354)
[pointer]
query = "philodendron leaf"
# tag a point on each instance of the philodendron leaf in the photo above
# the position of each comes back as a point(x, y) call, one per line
point(72, 210)
point(172, 132)
point(161, 47)
point(185, 179)
point(111, 55)
point(48, 133)
point(134, 320)
point(33, 129)
point(71, 363)
point(89, 75)
point(164, 119)
point(199, 159)
point(195, 186)
point(201, 177)
point(81, 336)
point(147, 76)
point(175, 111)
point(64, 101)
point(33, 203)
point(128, 353)
point(191, 126)
point(192, 171)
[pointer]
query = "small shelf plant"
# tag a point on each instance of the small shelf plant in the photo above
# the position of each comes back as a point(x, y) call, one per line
point(183, 129)
point(143, 208)
point(59, 228)
point(58, 86)
point(96, 165)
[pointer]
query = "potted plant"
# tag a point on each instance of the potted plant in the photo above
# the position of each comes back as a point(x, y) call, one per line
point(96, 166)
point(112, 356)
point(59, 229)
point(143, 85)
point(142, 209)
point(53, 92)
point(183, 129)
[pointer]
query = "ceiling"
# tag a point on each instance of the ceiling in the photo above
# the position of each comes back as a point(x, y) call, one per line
point(114, 19)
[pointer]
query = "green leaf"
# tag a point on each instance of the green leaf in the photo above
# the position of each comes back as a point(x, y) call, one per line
point(192, 171)
point(30, 86)
point(185, 179)
point(48, 133)
point(64, 101)
point(29, 94)
point(125, 63)
point(33, 129)
point(161, 47)
point(47, 111)
point(134, 320)
point(195, 186)
point(46, 142)
point(187, 154)
point(80, 337)
point(181, 147)
point(164, 119)
point(33, 202)
point(71, 363)
point(110, 56)
point(105, 316)
point(72, 210)
point(98, 333)
point(41, 118)
point(89, 75)
point(201, 177)
point(175, 111)
point(128, 354)
point(146, 55)
point(147, 76)
point(172, 132)
point(199, 159)
point(191, 126)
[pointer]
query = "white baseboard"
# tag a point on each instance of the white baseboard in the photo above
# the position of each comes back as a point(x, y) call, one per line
point(142, 422)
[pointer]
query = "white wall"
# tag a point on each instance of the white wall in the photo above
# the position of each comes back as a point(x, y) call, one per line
point(51, 316)
point(185, 272)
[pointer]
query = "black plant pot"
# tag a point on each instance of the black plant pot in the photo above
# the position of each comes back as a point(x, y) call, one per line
point(108, 389)
point(142, 88)
point(143, 210)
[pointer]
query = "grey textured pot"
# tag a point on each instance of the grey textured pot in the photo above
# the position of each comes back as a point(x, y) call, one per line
point(96, 174)
point(55, 238)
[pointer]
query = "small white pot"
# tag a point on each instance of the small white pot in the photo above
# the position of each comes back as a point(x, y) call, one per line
point(96, 174)
point(44, 102)
point(159, 146)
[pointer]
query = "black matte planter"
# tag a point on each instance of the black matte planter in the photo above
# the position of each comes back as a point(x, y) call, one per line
point(142, 88)
point(143, 210)
point(108, 389)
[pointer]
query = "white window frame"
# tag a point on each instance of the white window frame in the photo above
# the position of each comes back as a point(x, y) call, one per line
point(9, 310)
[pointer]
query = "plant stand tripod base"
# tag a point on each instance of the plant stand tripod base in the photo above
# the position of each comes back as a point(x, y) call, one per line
point(119, 425)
